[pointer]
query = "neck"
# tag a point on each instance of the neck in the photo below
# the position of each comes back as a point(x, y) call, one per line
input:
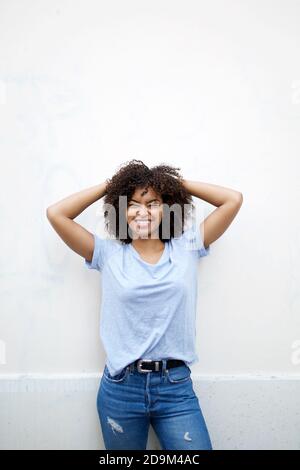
point(148, 244)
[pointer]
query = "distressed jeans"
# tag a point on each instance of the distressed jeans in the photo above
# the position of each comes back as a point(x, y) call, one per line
point(130, 401)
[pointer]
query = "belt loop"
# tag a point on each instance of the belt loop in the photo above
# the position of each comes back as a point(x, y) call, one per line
point(164, 366)
point(131, 367)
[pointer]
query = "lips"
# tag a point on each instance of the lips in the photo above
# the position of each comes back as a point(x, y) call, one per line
point(142, 223)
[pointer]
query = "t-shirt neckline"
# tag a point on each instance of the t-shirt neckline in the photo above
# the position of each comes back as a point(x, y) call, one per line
point(138, 256)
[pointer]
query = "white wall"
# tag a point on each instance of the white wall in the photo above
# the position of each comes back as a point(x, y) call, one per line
point(210, 87)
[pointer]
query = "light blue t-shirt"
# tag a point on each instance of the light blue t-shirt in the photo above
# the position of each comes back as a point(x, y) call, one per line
point(148, 311)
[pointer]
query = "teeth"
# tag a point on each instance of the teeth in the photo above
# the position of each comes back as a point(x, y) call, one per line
point(142, 223)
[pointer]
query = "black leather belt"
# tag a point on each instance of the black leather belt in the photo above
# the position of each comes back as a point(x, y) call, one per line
point(147, 365)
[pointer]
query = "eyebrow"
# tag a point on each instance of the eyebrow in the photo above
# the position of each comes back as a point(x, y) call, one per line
point(133, 200)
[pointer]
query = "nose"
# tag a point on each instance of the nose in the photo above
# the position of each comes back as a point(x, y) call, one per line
point(142, 211)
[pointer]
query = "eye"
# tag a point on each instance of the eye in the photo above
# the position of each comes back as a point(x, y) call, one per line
point(154, 204)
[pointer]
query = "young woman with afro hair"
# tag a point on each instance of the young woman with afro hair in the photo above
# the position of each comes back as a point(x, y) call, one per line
point(149, 266)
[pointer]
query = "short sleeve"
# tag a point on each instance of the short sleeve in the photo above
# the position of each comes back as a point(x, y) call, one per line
point(103, 249)
point(193, 240)
point(98, 254)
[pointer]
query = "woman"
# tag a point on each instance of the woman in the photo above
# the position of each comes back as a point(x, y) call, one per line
point(149, 298)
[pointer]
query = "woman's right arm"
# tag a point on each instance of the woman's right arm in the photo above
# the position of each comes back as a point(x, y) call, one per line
point(62, 213)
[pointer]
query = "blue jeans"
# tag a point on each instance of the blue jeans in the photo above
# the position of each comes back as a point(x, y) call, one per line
point(129, 401)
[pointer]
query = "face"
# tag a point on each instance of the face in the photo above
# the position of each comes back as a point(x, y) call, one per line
point(144, 213)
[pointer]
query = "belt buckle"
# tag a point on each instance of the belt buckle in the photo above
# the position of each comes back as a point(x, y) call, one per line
point(139, 367)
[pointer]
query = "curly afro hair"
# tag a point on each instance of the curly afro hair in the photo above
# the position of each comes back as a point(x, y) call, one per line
point(165, 180)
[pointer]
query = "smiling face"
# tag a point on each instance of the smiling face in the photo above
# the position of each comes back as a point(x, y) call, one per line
point(144, 213)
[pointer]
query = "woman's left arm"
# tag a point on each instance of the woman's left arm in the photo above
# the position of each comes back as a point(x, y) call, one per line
point(228, 202)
